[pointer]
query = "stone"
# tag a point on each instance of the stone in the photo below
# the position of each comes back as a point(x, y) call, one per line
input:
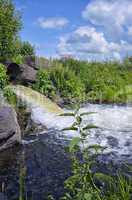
point(21, 73)
point(28, 74)
point(10, 133)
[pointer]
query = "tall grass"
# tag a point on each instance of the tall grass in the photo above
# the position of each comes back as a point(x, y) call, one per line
point(75, 80)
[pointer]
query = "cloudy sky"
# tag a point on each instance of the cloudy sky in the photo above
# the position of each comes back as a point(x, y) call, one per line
point(85, 29)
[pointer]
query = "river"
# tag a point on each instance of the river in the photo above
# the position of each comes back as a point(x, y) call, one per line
point(43, 158)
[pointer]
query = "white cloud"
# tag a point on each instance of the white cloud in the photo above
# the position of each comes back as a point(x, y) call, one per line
point(53, 22)
point(112, 15)
point(108, 33)
point(130, 31)
point(86, 41)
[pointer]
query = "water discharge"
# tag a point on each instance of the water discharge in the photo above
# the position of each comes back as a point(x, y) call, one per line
point(114, 122)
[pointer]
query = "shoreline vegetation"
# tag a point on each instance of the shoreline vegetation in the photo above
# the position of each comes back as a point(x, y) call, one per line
point(69, 81)
point(95, 82)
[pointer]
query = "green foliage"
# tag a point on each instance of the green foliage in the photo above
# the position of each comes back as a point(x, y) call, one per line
point(10, 96)
point(60, 81)
point(105, 82)
point(26, 49)
point(44, 84)
point(3, 76)
point(18, 59)
point(10, 24)
point(82, 184)
point(68, 85)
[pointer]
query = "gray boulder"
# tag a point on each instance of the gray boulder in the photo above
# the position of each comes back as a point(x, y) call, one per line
point(10, 133)
point(22, 73)
point(28, 74)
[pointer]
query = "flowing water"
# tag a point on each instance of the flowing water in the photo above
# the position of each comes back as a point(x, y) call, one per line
point(114, 122)
point(47, 165)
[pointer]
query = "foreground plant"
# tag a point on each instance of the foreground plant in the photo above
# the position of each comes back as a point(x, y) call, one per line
point(82, 184)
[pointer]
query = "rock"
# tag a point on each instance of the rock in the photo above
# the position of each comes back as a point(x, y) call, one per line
point(10, 133)
point(13, 71)
point(28, 74)
point(23, 73)
point(31, 61)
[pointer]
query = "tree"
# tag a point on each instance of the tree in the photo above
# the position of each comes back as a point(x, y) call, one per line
point(26, 49)
point(10, 25)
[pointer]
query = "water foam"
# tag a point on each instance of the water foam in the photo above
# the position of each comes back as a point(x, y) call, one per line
point(114, 122)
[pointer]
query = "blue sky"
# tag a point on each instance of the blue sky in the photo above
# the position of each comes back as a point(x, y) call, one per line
point(85, 29)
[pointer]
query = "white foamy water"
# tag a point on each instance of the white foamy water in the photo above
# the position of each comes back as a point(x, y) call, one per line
point(114, 122)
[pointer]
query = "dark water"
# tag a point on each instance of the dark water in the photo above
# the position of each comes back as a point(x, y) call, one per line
point(44, 165)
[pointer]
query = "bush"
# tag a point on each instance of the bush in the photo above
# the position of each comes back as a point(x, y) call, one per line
point(60, 81)
point(44, 84)
point(102, 80)
point(75, 80)
point(18, 59)
point(68, 85)
point(10, 96)
point(3, 77)
point(26, 49)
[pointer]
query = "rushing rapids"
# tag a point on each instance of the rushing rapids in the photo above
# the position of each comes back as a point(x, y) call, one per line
point(114, 122)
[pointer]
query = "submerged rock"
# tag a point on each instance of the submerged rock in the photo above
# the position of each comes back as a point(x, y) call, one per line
point(10, 133)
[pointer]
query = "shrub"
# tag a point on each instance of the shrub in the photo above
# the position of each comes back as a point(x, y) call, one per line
point(26, 49)
point(44, 84)
point(10, 96)
point(18, 59)
point(68, 85)
point(3, 76)
point(75, 80)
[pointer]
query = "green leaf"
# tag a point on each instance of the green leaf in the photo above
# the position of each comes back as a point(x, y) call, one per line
point(79, 119)
point(67, 114)
point(103, 177)
point(87, 113)
point(74, 142)
point(90, 126)
point(72, 128)
point(87, 196)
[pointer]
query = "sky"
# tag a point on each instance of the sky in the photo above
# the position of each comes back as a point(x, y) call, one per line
point(84, 29)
